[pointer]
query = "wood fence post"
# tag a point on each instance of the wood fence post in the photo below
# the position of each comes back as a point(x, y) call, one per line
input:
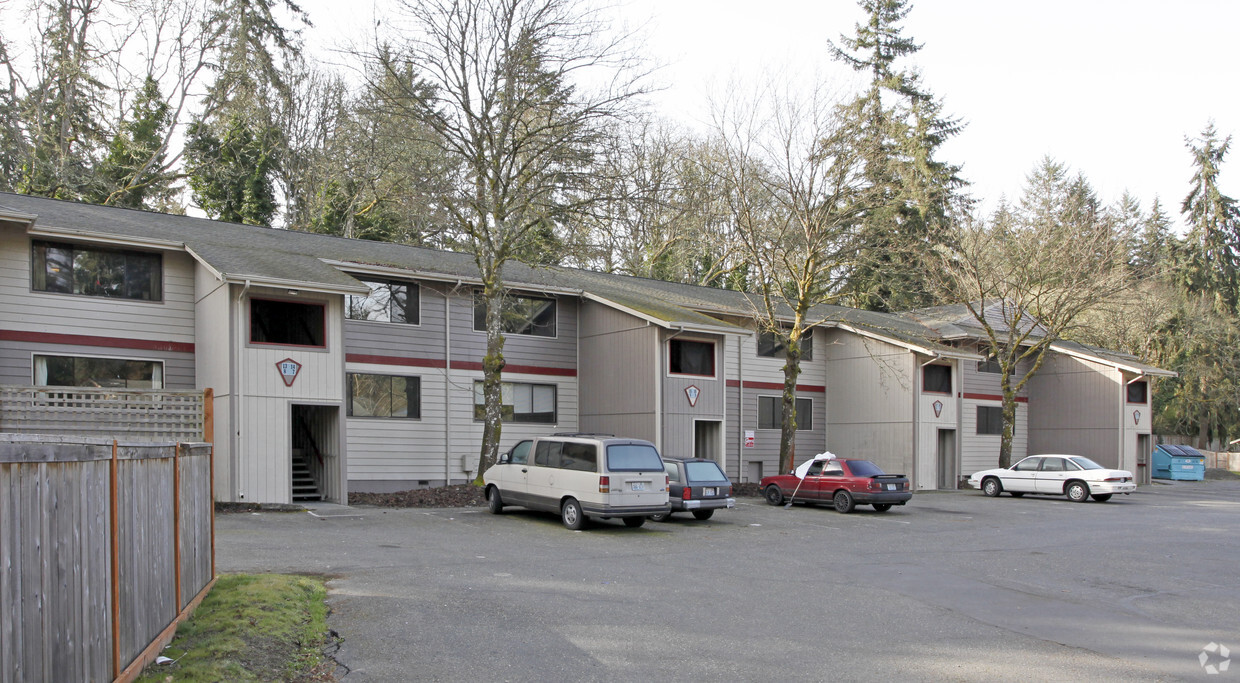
point(116, 570)
point(176, 525)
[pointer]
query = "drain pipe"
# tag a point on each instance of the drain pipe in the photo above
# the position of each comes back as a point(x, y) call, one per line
point(447, 384)
point(238, 363)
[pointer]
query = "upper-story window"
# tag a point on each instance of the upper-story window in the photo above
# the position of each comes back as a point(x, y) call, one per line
point(96, 271)
point(291, 323)
point(88, 371)
point(689, 357)
point(520, 314)
point(936, 379)
point(771, 346)
point(1137, 391)
point(389, 302)
point(991, 365)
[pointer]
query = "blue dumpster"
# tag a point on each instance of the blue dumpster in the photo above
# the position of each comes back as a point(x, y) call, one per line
point(1183, 463)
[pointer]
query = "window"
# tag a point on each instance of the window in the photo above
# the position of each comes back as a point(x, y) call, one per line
point(633, 458)
point(1137, 391)
point(937, 379)
point(1028, 465)
point(548, 452)
point(770, 409)
point(119, 373)
point(520, 315)
point(287, 322)
point(385, 396)
point(521, 452)
point(520, 402)
point(989, 420)
point(769, 346)
point(95, 271)
point(686, 357)
point(1052, 465)
point(579, 456)
point(992, 366)
point(388, 302)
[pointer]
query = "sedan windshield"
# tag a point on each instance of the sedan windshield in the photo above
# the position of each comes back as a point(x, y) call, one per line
point(704, 471)
point(864, 468)
point(1086, 463)
point(634, 457)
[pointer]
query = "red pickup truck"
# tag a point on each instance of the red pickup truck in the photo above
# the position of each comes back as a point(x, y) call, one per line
point(844, 483)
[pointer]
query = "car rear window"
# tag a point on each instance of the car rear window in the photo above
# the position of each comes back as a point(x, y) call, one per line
point(633, 457)
point(863, 468)
point(704, 471)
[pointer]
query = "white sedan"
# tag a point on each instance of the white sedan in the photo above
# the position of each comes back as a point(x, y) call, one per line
point(1073, 476)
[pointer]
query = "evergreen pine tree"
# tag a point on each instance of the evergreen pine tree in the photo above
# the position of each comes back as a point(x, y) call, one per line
point(132, 173)
point(1212, 266)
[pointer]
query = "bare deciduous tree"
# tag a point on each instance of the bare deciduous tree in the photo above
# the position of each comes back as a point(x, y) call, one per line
point(519, 94)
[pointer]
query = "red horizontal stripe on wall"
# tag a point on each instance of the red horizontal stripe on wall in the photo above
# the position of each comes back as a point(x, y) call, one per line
point(778, 386)
point(91, 340)
point(394, 360)
point(993, 397)
point(523, 369)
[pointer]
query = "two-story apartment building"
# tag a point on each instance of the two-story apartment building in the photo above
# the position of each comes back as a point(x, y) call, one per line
point(362, 360)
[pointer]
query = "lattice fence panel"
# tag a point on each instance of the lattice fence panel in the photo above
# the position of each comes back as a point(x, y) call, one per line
point(139, 415)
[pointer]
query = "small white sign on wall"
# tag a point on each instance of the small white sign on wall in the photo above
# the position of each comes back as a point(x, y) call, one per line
point(288, 370)
point(692, 392)
point(748, 438)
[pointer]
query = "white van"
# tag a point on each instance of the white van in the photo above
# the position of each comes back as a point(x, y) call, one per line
point(581, 476)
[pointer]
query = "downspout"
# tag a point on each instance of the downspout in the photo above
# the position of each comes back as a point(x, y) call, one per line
point(238, 363)
point(447, 383)
point(740, 408)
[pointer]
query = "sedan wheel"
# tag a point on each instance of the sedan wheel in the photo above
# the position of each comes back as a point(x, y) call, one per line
point(571, 515)
point(1102, 497)
point(494, 503)
point(843, 502)
point(773, 495)
point(661, 517)
point(1017, 494)
point(1077, 491)
point(992, 487)
point(703, 514)
point(882, 507)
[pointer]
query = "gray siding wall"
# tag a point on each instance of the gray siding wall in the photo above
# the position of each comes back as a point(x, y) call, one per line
point(678, 415)
point(809, 442)
point(17, 359)
point(869, 400)
point(469, 345)
point(618, 373)
point(1074, 408)
point(397, 340)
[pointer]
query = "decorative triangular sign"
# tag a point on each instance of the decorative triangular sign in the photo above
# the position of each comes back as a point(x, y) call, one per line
point(692, 392)
point(288, 370)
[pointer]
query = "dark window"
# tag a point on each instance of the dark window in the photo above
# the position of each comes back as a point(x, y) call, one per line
point(385, 396)
point(119, 373)
point(633, 458)
point(547, 453)
point(1052, 465)
point(1137, 391)
point(989, 420)
point(520, 315)
point(864, 468)
point(771, 346)
point(287, 322)
point(770, 409)
point(389, 302)
point(704, 471)
point(937, 379)
point(520, 402)
point(992, 366)
point(688, 357)
point(94, 271)
point(579, 456)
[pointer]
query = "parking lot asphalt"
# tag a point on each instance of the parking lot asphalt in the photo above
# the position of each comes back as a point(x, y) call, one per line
point(954, 586)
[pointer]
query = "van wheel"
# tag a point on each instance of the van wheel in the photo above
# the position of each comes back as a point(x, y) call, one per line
point(571, 515)
point(634, 522)
point(703, 514)
point(773, 495)
point(494, 503)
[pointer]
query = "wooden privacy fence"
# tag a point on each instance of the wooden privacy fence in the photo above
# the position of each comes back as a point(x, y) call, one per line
point(128, 414)
point(104, 548)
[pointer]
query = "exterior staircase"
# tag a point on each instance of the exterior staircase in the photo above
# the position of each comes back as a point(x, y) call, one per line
point(305, 488)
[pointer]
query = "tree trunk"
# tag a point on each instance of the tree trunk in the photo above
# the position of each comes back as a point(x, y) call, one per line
point(492, 377)
point(788, 413)
point(1009, 420)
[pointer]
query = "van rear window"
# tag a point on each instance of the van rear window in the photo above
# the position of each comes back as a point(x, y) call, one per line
point(633, 457)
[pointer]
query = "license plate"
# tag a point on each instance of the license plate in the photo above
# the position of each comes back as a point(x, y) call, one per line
point(891, 487)
point(639, 485)
point(710, 491)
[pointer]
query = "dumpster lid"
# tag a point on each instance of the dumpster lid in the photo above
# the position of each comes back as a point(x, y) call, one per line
point(1186, 451)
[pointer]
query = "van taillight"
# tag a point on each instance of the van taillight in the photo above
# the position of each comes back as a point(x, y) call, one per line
point(604, 484)
point(685, 495)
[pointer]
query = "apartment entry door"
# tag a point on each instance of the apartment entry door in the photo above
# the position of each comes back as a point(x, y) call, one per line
point(948, 469)
point(708, 440)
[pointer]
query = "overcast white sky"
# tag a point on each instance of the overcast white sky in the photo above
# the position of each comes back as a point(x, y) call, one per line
point(1109, 87)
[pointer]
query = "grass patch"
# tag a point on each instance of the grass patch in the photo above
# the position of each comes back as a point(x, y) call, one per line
point(252, 627)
